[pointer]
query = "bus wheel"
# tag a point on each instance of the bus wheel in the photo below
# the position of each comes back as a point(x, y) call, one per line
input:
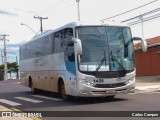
point(34, 90)
point(110, 97)
point(63, 92)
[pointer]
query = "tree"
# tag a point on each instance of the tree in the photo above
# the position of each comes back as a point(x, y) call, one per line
point(10, 69)
point(13, 68)
point(1, 72)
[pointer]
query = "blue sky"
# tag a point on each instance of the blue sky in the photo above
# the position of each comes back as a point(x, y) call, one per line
point(59, 12)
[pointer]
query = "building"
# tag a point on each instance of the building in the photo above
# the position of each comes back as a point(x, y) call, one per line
point(148, 63)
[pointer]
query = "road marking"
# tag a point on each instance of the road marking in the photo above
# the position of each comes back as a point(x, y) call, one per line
point(9, 102)
point(10, 83)
point(28, 99)
point(45, 97)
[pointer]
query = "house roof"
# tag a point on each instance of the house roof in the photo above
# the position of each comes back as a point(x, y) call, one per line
point(150, 42)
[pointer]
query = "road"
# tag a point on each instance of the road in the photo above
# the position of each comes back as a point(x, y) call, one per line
point(15, 96)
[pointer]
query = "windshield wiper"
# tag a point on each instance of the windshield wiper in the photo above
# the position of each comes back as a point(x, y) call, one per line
point(102, 60)
point(114, 58)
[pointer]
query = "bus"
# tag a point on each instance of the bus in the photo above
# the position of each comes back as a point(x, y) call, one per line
point(81, 59)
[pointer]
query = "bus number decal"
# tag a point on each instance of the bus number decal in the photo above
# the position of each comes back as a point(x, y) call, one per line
point(98, 81)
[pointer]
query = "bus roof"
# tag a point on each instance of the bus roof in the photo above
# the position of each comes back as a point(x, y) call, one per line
point(76, 24)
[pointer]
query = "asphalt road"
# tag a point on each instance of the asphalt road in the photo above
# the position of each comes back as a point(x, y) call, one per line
point(22, 99)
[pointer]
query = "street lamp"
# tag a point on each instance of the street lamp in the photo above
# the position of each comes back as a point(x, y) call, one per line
point(28, 27)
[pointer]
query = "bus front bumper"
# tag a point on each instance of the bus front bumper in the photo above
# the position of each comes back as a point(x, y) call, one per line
point(87, 91)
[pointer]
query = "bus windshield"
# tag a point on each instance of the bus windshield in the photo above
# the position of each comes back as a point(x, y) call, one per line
point(106, 48)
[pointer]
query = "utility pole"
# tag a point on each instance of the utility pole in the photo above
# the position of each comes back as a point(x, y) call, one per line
point(5, 56)
point(141, 18)
point(2, 56)
point(78, 9)
point(17, 76)
point(40, 18)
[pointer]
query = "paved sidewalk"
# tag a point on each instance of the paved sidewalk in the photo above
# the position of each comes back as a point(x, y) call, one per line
point(148, 83)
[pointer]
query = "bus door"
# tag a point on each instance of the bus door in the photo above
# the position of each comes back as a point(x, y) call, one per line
point(69, 50)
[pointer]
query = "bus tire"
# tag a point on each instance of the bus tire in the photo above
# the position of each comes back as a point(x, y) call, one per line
point(34, 90)
point(63, 91)
point(110, 97)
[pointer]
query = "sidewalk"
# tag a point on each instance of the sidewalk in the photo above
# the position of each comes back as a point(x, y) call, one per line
point(148, 83)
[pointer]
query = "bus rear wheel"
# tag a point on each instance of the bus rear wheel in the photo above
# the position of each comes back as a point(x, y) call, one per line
point(34, 90)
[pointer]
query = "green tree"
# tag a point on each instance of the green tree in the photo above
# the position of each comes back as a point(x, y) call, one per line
point(1, 72)
point(10, 69)
point(13, 68)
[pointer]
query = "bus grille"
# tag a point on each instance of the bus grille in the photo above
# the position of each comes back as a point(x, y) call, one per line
point(110, 85)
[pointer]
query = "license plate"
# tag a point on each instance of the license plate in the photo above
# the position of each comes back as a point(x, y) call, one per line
point(110, 91)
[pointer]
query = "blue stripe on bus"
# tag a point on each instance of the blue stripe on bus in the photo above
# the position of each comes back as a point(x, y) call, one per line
point(71, 67)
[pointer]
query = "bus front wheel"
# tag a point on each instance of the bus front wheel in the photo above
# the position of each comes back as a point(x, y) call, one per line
point(63, 92)
point(110, 97)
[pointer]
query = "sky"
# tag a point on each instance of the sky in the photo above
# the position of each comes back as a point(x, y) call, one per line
point(60, 12)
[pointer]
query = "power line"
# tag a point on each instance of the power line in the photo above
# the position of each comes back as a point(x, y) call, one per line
point(142, 19)
point(147, 13)
point(58, 10)
point(53, 6)
point(145, 19)
point(130, 10)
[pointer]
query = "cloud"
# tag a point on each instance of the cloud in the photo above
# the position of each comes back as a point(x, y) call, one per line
point(25, 11)
point(7, 13)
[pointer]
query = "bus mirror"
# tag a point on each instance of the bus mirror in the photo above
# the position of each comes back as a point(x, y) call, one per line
point(143, 43)
point(78, 46)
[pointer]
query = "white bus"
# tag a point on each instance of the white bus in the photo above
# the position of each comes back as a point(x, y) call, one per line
point(81, 59)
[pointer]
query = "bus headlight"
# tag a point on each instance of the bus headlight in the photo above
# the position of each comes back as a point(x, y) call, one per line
point(130, 80)
point(88, 83)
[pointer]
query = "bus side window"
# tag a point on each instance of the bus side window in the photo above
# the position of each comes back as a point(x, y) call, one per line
point(68, 34)
point(48, 44)
point(58, 42)
point(52, 37)
point(69, 44)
